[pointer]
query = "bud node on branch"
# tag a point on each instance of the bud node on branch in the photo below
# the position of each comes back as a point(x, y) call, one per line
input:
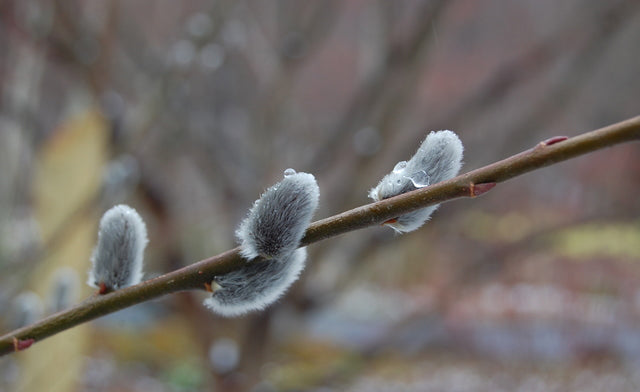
point(476, 190)
point(19, 345)
point(554, 140)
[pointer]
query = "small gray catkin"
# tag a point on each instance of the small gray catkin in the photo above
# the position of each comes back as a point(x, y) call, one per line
point(256, 285)
point(277, 221)
point(439, 158)
point(117, 258)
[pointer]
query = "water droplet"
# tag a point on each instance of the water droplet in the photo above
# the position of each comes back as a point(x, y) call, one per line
point(420, 179)
point(400, 166)
point(289, 172)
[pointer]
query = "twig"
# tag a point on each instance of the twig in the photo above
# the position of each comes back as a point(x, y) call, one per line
point(200, 274)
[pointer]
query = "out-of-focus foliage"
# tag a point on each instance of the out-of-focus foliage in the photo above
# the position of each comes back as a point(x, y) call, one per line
point(534, 286)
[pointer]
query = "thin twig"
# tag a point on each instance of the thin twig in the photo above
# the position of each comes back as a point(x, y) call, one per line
point(200, 274)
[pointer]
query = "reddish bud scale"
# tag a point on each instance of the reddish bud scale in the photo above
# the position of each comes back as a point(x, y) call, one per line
point(102, 288)
point(19, 344)
point(479, 189)
point(554, 140)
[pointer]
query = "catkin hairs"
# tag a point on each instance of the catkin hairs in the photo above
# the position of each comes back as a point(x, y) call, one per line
point(256, 285)
point(117, 258)
point(272, 230)
point(438, 158)
point(277, 221)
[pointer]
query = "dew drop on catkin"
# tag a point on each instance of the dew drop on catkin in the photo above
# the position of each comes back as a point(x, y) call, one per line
point(439, 158)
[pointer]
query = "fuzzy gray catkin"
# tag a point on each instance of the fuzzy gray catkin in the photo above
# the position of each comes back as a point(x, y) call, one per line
point(439, 158)
point(117, 258)
point(273, 230)
point(277, 221)
point(256, 285)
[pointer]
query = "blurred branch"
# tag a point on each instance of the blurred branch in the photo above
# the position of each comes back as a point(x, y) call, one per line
point(401, 58)
point(580, 68)
point(536, 60)
point(195, 276)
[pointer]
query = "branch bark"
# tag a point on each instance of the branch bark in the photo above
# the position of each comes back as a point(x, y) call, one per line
point(200, 274)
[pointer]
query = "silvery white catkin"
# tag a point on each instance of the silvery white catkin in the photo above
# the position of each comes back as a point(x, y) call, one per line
point(256, 285)
point(117, 258)
point(277, 221)
point(439, 158)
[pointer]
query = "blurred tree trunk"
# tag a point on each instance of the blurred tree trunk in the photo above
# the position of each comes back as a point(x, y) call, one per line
point(67, 177)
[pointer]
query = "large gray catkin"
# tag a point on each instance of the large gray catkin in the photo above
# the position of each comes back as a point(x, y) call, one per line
point(277, 221)
point(272, 230)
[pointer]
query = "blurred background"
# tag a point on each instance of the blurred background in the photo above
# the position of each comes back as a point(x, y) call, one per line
point(187, 110)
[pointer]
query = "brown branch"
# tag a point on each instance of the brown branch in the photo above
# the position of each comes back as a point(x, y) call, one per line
point(200, 274)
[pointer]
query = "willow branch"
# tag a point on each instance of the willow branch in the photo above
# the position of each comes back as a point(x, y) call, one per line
point(200, 274)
